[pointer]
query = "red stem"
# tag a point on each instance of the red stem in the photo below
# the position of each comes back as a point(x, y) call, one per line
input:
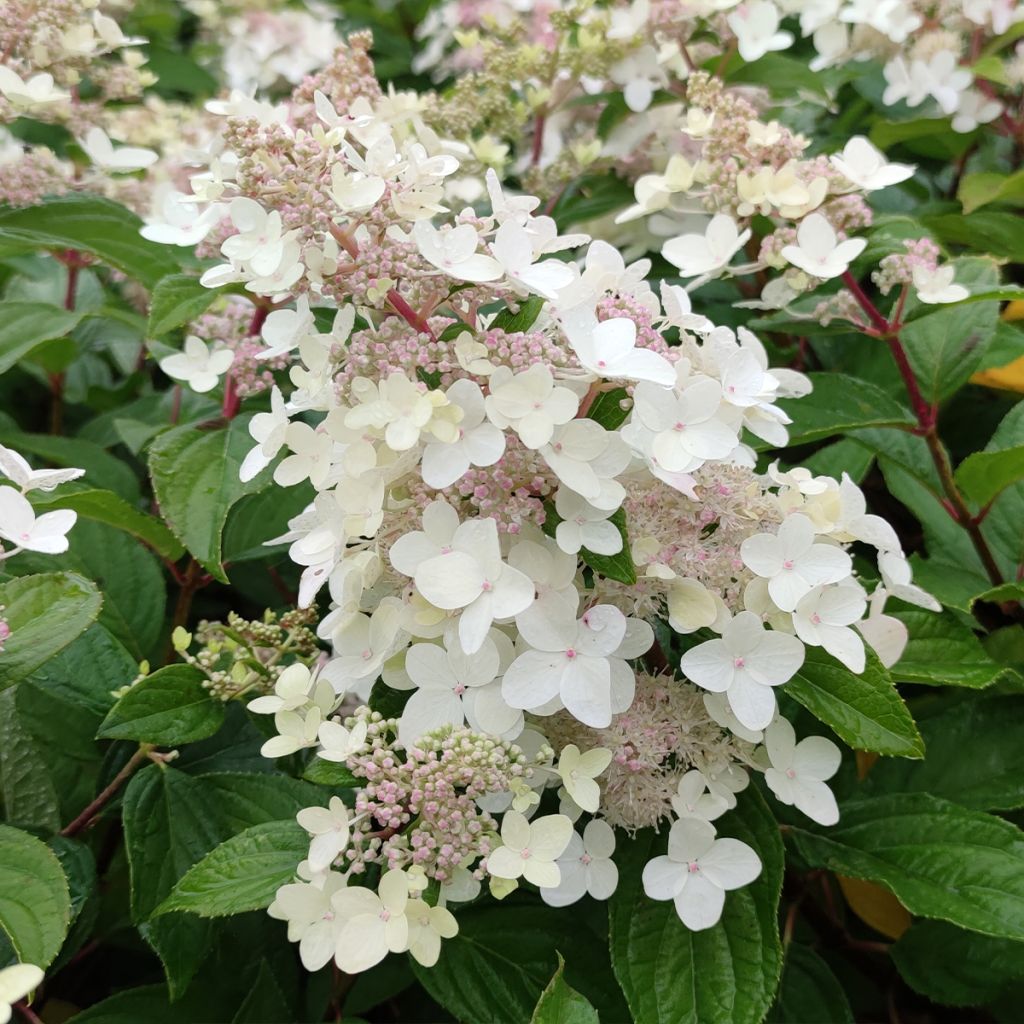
point(84, 819)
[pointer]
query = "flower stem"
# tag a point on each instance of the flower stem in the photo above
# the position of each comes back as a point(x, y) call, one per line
point(85, 819)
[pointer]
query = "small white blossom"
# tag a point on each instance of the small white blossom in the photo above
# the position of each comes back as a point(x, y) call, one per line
point(338, 743)
point(100, 150)
point(18, 471)
point(707, 253)
point(20, 525)
point(479, 442)
point(584, 526)
point(818, 252)
point(799, 770)
point(529, 402)
point(578, 773)
point(454, 252)
point(823, 616)
point(198, 366)
point(756, 24)
point(372, 924)
point(937, 286)
point(867, 168)
point(530, 849)
point(698, 871)
point(693, 800)
point(586, 867)
point(329, 828)
point(28, 95)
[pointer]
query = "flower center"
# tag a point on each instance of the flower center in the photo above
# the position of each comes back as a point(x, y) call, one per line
point(738, 662)
point(788, 563)
point(526, 855)
point(693, 867)
point(570, 653)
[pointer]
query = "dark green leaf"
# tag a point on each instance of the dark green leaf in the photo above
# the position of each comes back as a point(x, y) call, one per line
point(809, 992)
point(90, 224)
point(607, 408)
point(559, 1003)
point(44, 613)
point(939, 859)
point(26, 789)
point(243, 873)
point(24, 326)
point(176, 300)
point(168, 708)
point(865, 710)
point(522, 319)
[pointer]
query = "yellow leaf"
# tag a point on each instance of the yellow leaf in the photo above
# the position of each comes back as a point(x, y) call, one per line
point(875, 906)
point(1007, 378)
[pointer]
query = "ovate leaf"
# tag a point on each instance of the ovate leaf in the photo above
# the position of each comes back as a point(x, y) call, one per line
point(45, 613)
point(941, 860)
point(35, 905)
point(168, 708)
point(243, 873)
point(810, 992)
point(982, 475)
point(865, 710)
point(176, 300)
point(559, 1003)
point(195, 476)
point(24, 326)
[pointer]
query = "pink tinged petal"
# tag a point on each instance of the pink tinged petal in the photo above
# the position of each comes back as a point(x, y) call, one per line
point(533, 679)
point(730, 864)
point(663, 878)
point(548, 629)
point(475, 621)
point(700, 903)
point(485, 444)
point(512, 593)
point(816, 758)
point(815, 800)
point(586, 690)
point(428, 666)
point(487, 711)
point(601, 630)
point(450, 581)
point(709, 665)
point(780, 784)
point(752, 703)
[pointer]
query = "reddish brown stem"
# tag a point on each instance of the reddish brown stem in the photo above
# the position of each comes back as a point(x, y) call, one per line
point(408, 314)
point(87, 816)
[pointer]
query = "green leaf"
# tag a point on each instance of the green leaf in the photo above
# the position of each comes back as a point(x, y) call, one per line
point(607, 408)
point(989, 232)
point(172, 820)
point(840, 403)
point(940, 860)
point(44, 613)
point(991, 778)
point(983, 475)
point(946, 346)
point(330, 773)
point(35, 906)
point(845, 456)
point(496, 968)
point(942, 651)
point(978, 190)
point(195, 477)
point(168, 708)
point(722, 975)
point(619, 567)
point(107, 507)
point(182, 941)
point(176, 300)
point(1002, 525)
point(782, 74)
point(864, 710)
point(957, 967)
point(521, 320)
point(243, 873)
point(26, 789)
point(24, 326)
point(90, 224)
point(810, 992)
point(559, 1003)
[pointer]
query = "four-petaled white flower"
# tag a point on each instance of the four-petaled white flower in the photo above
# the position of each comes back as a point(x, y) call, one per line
point(864, 166)
point(372, 924)
point(745, 663)
point(329, 828)
point(268, 430)
point(338, 743)
point(709, 252)
point(443, 676)
point(793, 562)
point(530, 849)
point(822, 618)
point(297, 688)
point(363, 644)
point(18, 471)
point(799, 770)
point(818, 252)
point(403, 410)
point(513, 247)
point(467, 573)
point(698, 870)
point(28, 94)
point(312, 922)
point(935, 286)
point(198, 366)
point(479, 442)
point(454, 252)
point(530, 403)
point(586, 867)
point(20, 525)
point(576, 664)
point(584, 526)
point(427, 927)
point(609, 350)
point(579, 772)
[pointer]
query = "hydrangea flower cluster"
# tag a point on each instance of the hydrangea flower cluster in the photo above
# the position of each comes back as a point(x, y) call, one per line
point(528, 463)
point(20, 527)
